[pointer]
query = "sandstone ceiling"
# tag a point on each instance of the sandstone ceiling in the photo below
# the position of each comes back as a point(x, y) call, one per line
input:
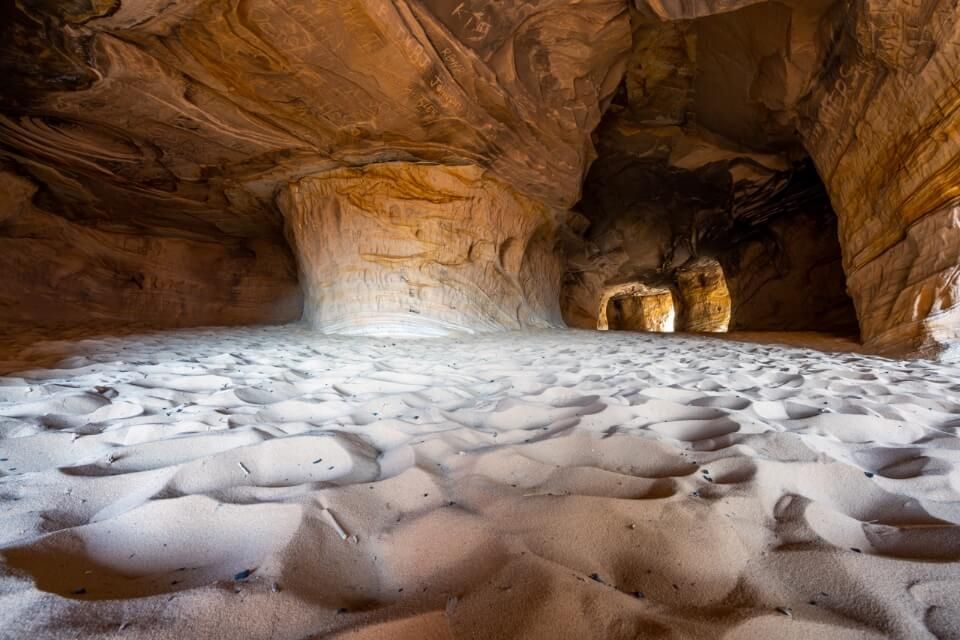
point(201, 108)
point(673, 129)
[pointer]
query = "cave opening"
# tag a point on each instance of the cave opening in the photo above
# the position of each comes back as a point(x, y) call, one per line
point(764, 251)
point(703, 155)
point(638, 307)
point(653, 313)
point(691, 172)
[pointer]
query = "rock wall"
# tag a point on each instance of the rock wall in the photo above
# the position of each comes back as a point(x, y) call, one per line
point(883, 126)
point(704, 298)
point(214, 104)
point(58, 272)
point(420, 249)
point(188, 118)
point(790, 278)
point(655, 312)
point(181, 122)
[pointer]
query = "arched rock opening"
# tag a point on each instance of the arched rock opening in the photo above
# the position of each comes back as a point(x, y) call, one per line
point(696, 300)
point(636, 306)
point(699, 159)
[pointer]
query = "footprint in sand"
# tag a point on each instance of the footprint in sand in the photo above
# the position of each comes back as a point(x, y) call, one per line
point(162, 546)
point(696, 430)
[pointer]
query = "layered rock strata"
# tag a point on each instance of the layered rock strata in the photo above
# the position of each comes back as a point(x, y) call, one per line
point(421, 249)
point(59, 272)
point(704, 298)
point(883, 126)
point(187, 118)
point(655, 312)
point(182, 122)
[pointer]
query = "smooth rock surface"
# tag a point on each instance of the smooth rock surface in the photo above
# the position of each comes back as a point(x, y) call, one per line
point(704, 297)
point(638, 312)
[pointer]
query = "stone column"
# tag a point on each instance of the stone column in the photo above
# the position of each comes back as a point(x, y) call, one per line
point(704, 298)
point(421, 249)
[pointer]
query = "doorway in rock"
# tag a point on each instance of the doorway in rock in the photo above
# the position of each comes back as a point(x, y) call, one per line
point(638, 307)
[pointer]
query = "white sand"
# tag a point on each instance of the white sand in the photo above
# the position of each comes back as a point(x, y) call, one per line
point(272, 483)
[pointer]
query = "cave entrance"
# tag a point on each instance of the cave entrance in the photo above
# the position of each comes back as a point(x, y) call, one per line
point(637, 307)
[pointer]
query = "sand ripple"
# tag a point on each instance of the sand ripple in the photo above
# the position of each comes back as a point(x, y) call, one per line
point(273, 483)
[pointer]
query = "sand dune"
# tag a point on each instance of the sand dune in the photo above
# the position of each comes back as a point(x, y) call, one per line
point(275, 483)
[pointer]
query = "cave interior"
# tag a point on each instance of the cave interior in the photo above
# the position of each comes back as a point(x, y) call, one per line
point(186, 168)
point(479, 319)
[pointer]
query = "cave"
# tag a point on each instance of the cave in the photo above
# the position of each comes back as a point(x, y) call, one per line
point(617, 318)
point(637, 307)
point(639, 312)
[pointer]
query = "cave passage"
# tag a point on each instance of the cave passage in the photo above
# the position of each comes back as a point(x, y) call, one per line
point(642, 312)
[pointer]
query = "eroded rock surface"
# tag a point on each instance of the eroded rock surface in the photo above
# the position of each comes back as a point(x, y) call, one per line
point(704, 297)
point(212, 103)
point(421, 249)
point(655, 312)
point(192, 117)
point(884, 128)
point(58, 272)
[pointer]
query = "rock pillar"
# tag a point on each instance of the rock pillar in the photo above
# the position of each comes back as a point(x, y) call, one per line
point(705, 300)
point(421, 249)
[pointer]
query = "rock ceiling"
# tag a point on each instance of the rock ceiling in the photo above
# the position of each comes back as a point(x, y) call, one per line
point(201, 108)
point(195, 119)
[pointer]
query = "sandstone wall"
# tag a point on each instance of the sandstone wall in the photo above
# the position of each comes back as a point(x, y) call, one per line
point(191, 116)
point(654, 312)
point(403, 248)
point(790, 278)
point(884, 128)
point(704, 298)
point(57, 272)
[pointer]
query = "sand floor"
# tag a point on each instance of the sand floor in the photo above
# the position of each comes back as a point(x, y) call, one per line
point(273, 483)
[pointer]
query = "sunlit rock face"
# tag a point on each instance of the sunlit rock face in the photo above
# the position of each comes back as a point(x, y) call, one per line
point(704, 296)
point(421, 249)
point(654, 312)
point(883, 127)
